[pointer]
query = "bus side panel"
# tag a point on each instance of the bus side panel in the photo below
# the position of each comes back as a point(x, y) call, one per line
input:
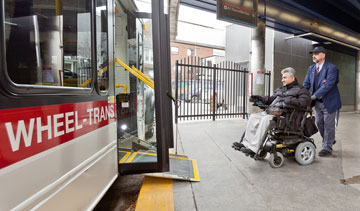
point(45, 175)
point(86, 190)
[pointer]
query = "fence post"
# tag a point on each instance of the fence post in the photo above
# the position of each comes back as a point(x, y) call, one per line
point(176, 91)
point(269, 83)
point(214, 92)
point(245, 87)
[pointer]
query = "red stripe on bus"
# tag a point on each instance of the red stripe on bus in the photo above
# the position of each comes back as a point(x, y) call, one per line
point(25, 132)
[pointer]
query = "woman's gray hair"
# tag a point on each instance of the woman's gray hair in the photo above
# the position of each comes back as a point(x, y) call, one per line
point(289, 70)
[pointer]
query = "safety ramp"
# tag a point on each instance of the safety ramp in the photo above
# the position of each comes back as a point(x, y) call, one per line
point(181, 167)
point(156, 192)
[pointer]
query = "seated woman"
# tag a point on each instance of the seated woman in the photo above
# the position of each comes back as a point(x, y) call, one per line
point(291, 94)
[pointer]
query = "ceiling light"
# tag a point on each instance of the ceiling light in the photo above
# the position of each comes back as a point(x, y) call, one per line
point(339, 34)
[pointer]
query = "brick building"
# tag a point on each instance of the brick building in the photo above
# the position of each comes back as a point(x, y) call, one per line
point(180, 51)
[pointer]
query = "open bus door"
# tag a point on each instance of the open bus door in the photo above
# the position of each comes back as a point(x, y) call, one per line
point(142, 55)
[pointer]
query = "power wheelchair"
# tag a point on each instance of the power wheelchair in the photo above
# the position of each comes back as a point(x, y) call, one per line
point(284, 138)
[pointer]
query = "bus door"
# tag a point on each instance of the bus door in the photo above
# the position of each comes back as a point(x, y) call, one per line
point(142, 105)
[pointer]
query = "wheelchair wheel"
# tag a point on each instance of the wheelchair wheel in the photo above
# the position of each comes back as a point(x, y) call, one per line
point(305, 153)
point(276, 162)
point(261, 155)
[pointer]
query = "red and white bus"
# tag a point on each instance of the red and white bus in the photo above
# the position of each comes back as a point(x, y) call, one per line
point(64, 126)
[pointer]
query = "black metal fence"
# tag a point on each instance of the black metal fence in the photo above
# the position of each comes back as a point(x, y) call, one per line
point(208, 91)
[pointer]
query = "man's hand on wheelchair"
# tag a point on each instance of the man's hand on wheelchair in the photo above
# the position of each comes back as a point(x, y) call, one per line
point(313, 100)
point(255, 98)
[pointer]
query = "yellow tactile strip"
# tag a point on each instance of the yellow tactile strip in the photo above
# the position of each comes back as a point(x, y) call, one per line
point(156, 194)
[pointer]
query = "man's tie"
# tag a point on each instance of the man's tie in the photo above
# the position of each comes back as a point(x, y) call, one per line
point(317, 71)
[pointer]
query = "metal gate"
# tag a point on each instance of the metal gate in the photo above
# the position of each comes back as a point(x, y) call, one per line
point(208, 91)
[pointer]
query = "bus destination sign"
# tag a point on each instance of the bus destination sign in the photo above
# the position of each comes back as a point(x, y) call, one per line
point(242, 12)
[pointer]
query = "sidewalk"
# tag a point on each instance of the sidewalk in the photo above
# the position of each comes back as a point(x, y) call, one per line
point(232, 181)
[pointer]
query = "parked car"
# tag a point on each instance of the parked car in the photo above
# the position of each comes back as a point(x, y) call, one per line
point(69, 74)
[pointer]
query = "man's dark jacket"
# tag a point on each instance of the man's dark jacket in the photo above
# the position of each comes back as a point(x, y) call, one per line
point(290, 96)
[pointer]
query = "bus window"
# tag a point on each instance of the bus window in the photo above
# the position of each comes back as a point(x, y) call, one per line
point(48, 43)
point(102, 44)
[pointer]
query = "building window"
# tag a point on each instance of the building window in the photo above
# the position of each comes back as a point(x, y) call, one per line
point(174, 50)
point(190, 52)
point(147, 57)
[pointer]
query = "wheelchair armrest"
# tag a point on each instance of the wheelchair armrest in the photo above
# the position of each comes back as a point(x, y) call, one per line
point(281, 123)
point(260, 105)
point(291, 107)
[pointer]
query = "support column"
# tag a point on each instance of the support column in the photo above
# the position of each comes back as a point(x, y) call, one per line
point(257, 62)
point(357, 83)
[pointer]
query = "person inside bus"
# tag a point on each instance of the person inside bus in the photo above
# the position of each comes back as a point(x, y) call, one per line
point(291, 94)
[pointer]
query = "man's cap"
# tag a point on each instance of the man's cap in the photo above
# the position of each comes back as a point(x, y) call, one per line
point(318, 49)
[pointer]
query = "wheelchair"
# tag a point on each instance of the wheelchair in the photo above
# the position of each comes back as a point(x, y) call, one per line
point(286, 138)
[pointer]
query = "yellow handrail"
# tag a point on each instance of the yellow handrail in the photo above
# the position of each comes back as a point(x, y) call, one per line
point(86, 83)
point(122, 85)
point(139, 76)
point(89, 80)
point(102, 70)
point(142, 74)
point(137, 73)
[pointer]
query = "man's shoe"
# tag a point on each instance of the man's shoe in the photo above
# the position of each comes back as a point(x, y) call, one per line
point(248, 152)
point(324, 153)
point(237, 146)
point(244, 150)
point(334, 142)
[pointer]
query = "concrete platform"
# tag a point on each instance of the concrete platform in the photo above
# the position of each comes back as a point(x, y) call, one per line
point(232, 181)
